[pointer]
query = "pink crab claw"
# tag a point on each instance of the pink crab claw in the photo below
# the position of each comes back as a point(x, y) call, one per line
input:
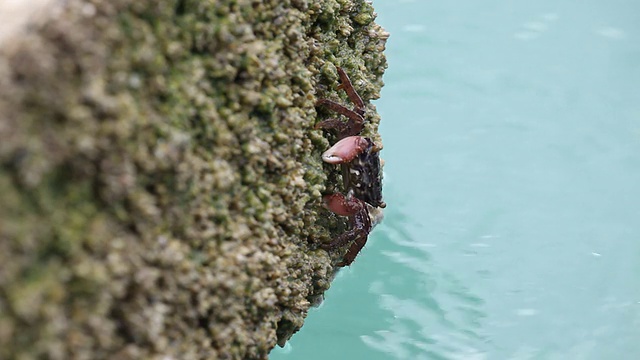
point(345, 150)
point(341, 205)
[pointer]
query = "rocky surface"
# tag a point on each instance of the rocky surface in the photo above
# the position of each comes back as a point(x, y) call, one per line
point(160, 177)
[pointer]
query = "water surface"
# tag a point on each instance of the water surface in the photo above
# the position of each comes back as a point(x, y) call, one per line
point(512, 149)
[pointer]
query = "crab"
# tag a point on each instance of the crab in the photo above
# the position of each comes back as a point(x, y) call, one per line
point(360, 161)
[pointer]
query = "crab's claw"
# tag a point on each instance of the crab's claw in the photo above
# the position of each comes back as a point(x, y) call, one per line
point(342, 205)
point(345, 150)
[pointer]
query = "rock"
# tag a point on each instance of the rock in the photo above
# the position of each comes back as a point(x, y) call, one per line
point(160, 177)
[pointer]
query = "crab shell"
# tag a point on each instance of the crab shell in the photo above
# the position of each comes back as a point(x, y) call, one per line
point(360, 160)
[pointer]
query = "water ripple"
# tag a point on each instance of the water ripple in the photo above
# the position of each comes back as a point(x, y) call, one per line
point(439, 316)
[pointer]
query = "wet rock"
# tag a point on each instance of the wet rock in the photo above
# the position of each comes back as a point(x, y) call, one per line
point(160, 176)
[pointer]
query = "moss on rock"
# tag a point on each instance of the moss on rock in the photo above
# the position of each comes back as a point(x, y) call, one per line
point(160, 175)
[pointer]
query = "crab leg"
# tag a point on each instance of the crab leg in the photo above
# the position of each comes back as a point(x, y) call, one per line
point(338, 125)
point(356, 121)
point(344, 238)
point(353, 251)
point(351, 92)
point(360, 233)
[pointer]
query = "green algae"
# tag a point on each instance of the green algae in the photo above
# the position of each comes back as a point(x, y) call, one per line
point(160, 174)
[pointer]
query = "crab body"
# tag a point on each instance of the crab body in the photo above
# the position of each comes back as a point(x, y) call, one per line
point(360, 160)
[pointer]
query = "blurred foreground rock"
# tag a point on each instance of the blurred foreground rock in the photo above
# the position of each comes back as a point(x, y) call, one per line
point(160, 178)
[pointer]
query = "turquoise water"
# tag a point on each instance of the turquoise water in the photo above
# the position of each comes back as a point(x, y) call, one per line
point(512, 178)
